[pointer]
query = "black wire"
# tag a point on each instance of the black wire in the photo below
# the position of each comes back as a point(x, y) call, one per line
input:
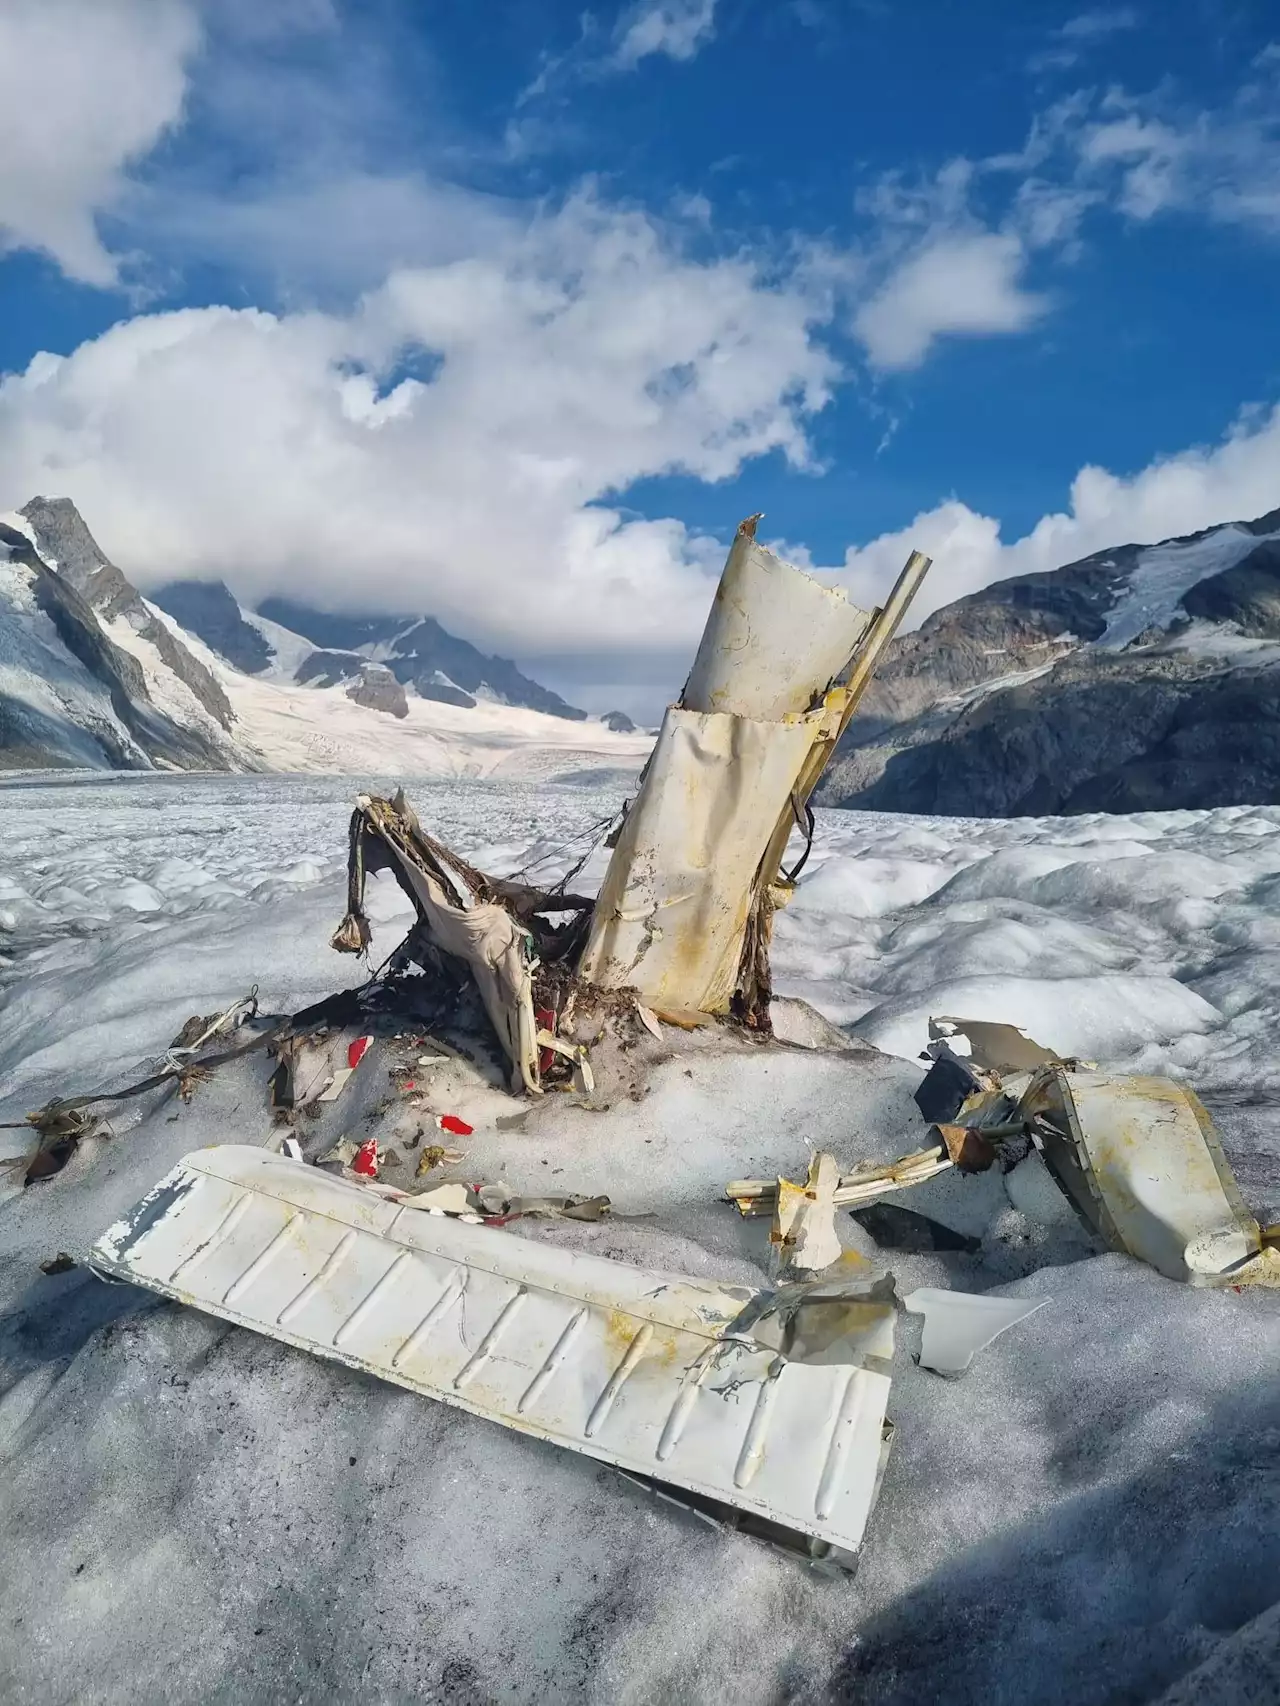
point(808, 826)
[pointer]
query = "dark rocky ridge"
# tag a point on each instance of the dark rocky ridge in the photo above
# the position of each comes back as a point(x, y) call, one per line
point(32, 739)
point(379, 690)
point(1149, 727)
point(208, 610)
point(62, 537)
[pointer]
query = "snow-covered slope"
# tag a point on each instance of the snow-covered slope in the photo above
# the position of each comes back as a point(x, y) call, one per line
point(193, 1512)
point(1140, 677)
point(94, 675)
point(287, 640)
point(73, 691)
point(298, 728)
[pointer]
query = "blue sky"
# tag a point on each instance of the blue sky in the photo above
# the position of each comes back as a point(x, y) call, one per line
point(510, 311)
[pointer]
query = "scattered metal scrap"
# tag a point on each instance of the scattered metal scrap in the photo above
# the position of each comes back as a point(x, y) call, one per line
point(957, 1324)
point(869, 1179)
point(1137, 1157)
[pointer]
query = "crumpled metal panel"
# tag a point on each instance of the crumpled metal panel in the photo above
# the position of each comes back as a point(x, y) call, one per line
point(772, 1422)
point(672, 910)
point(1142, 1163)
point(774, 636)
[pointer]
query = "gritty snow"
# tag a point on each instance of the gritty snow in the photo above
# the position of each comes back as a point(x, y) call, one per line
point(193, 1512)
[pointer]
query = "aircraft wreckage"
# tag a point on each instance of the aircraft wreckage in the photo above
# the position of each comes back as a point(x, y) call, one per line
point(762, 1408)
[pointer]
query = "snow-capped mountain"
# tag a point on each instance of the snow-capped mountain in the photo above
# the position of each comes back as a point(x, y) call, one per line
point(75, 691)
point(1141, 678)
point(315, 648)
point(92, 674)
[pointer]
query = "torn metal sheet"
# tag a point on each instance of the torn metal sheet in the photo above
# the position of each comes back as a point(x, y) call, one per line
point(685, 911)
point(661, 1376)
point(772, 634)
point(463, 915)
point(991, 1047)
point(959, 1323)
point(1141, 1162)
point(501, 1202)
point(870, 1179)
point(674, 903)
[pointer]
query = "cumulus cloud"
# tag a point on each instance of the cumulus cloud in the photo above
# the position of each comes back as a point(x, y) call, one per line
point(90, 88)
point(571, 359)
point(1235, 480)
point(933, 266)
point(960, 283)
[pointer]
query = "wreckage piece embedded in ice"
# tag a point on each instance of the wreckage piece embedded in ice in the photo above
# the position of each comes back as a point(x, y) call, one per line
point(803, 1236)
point(972, 1057)
point(684, 914)
point(870, 1179)
point(754, 1407)
point(989, 1046)
point(1141, 1162)
point(493, 928)
point(959, 1323)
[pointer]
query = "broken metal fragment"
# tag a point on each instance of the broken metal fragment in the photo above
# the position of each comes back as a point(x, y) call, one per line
point(494, 932)
point(499, 1202)
point(958, 1323)
point(1140, 1160)
point(662, 1376)
point(949, 1083)
point(991, 1047)
point(435, 1155)
point(969, 1150)
point(803, 1235)
point(869, 1179)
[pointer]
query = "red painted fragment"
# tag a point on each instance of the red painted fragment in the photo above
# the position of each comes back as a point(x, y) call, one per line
point(546, 1018)
point(366, 1160)
point(451, 1122)
point(357, 1050)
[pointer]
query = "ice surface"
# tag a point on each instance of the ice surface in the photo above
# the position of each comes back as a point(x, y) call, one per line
point(191, 1512)
point(1163, 573)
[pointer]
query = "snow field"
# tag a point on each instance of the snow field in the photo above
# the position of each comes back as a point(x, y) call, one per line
point(192, 1512)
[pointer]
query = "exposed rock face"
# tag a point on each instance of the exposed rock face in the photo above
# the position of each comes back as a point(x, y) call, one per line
point(327, 669)
point(379, 690)
point(420, 653)
point(208, 610)
point(64, 540)
point(1026, 697)
point(72, 697)
point(619, 722)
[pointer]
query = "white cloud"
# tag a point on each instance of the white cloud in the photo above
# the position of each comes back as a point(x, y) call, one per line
point(580, 353)
point(677, 28)
point(1097, 25)
point(1236, 480)
point(90, 86)
point(959, 283)
point(1152, 154)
